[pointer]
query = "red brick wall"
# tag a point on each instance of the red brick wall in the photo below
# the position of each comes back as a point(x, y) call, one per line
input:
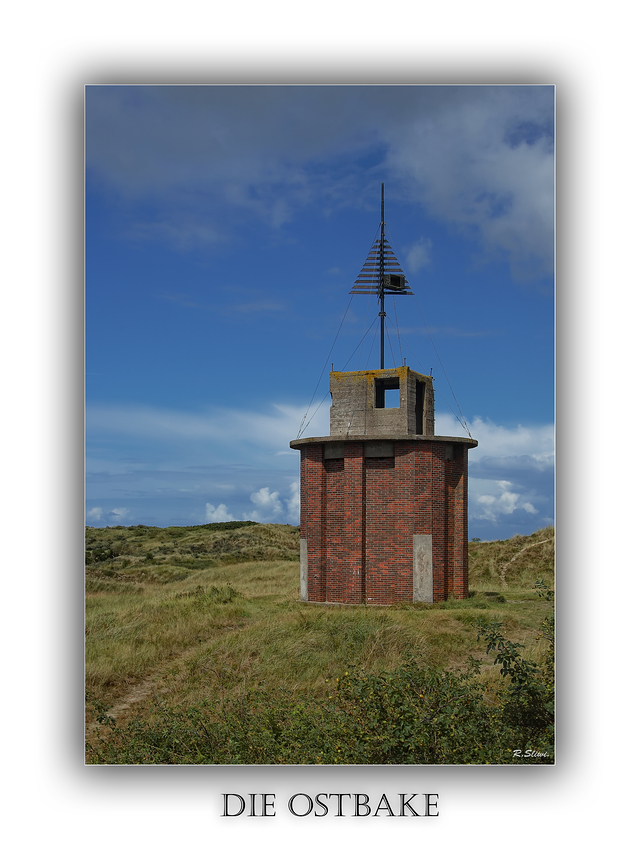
point(389, 527)
point(359, 515)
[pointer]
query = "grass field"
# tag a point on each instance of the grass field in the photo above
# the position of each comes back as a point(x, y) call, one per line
point(182, 618)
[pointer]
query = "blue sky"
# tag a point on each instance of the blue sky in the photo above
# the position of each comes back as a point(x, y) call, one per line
point(225, 226)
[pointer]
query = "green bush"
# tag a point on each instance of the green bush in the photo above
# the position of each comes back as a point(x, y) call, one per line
point(528, 701)
point(414, 714)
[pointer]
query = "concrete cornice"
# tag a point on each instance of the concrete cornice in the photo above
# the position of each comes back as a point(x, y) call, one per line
point(401, 438)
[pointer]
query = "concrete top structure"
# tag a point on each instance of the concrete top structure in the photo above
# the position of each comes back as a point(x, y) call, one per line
point(381, 404)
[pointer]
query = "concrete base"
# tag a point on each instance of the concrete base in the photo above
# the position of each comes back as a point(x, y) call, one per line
point(304, 571)
point(422, 568)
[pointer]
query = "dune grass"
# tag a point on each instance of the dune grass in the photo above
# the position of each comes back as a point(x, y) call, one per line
point(209, 613)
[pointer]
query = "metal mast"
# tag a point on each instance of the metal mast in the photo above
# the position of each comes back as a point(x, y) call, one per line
point(381, 279)
point(381, 274)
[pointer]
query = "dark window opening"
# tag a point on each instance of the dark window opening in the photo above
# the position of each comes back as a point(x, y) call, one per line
point(387, 392)
point(453, 452)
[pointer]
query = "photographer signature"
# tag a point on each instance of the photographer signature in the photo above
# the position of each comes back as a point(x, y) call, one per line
point(529, 754)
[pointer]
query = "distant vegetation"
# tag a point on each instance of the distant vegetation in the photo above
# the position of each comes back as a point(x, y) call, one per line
point(198, 650)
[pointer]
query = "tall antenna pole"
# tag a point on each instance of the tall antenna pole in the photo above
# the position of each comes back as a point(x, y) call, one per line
point(381, 279)
point(381, 273)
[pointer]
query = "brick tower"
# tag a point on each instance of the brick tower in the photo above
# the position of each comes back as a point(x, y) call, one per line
point(383, 501)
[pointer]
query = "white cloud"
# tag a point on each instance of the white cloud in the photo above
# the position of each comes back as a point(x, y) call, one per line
point(478, 157)
point(497, 441)
point(470, 167)
point(219, 514)
point(524, 453)
point(293, 503)
point(268, 506)
point(118, 514)
point(418, 255)
point(493, 506)
point(112, 517)
point(115, 516)
point(511, 471)
point(272, 428)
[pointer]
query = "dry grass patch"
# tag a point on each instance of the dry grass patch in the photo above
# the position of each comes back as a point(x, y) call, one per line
point(195, 615)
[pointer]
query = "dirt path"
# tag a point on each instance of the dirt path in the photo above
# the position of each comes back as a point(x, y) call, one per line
point(505, 567)
point(150, 686)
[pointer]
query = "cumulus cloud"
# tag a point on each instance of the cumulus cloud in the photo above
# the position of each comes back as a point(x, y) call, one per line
point(502, 502)
point(115, 516)
point(219, 514)
point(511, 472)
point(293, 503)
point(118, 515)
point(268, 506)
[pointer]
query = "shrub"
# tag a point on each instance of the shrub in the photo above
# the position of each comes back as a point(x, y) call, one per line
point(528, 702)
point(412, 715)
